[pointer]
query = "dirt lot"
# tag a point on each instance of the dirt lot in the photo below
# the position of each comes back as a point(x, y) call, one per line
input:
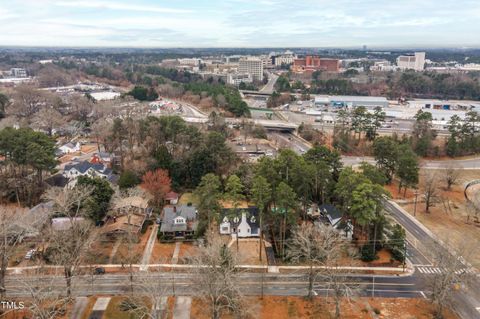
point(135, 252)
point(448, 218)
point(162, 253)
point(187, 251)
point(248, 252)
point(362, 308)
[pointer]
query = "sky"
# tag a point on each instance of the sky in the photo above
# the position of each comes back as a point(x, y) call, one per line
point(241, 23)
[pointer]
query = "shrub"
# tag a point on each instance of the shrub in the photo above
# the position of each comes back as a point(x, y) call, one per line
point(128, 179)
point(368, 253)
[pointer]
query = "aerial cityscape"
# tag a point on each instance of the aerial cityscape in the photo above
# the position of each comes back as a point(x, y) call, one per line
point(239, 159)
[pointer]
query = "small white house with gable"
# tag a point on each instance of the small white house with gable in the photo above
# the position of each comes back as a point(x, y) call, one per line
point(70, 148)
point(243, 222)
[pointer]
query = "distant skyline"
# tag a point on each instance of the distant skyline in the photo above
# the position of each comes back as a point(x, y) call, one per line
point(241, 23)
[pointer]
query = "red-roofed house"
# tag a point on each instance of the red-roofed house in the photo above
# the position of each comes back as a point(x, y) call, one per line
point(172, 198)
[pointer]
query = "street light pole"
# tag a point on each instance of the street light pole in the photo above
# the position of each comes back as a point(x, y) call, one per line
point(415, 206)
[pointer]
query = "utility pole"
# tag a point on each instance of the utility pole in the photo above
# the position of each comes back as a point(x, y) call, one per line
point(415, 206)
point(173, 282)
point(373, 286)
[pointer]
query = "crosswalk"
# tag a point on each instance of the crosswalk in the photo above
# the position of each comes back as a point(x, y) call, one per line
point(436, 270)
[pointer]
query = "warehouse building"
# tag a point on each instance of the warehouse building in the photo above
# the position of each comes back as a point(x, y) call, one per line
point(351, 101)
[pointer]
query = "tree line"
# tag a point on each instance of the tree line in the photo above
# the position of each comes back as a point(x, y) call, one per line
point(283, 188)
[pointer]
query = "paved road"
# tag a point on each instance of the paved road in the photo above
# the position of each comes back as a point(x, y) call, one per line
point(251, 283)
point(300, 147)
point(270, 86)
point(466, 301)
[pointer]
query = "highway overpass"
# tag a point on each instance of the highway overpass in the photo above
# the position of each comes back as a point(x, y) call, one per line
point(267, 124)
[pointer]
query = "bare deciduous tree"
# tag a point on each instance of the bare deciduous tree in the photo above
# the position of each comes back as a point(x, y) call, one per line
point(48, 119)
point(69, 246)
point(453, 272)
point(451, 176)
point(150, 298)
point(216, 282)
point(14, 226)
point(319, 246)
point(45, 300)
point(339, 283)
point(430, 190)
point(28, 100)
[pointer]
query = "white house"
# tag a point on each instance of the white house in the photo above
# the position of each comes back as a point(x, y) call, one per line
point(70, 148)
point(244, 222)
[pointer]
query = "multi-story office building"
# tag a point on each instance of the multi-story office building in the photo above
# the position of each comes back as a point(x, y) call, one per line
point(191, 61)
point(286, 58)
point(252, 66)
point(312, 63)
point(237, 78)
point(18, 72)
point(414, 62)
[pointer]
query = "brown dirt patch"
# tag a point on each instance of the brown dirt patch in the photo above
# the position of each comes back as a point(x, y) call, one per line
point(162, 253)
point(362, 308)
point(248, 251)
point(88, 148)
point(187, 250)
point(448, 218)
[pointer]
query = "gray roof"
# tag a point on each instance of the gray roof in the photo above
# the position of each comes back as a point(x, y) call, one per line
point(358, 98)
point(104, 155)
point(69, 145)
point(187, 212)
point(84, 166)
point(330, 211)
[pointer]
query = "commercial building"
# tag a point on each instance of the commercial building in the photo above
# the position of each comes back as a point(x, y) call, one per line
point(18, 73)
point(414, 62)
point(237, 78)
point(351, 101)
point(312, 63)
point(252, 66)
point(382, 66)
point(283, 59)
point(190, 61)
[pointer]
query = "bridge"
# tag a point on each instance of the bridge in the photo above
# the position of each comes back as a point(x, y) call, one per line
point(267, 124)
point(265, 95)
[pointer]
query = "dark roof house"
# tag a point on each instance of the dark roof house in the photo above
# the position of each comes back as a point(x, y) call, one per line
point(179, 222)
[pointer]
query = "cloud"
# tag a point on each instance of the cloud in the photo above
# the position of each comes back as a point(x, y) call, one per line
point(118, 6)
point(253, 23)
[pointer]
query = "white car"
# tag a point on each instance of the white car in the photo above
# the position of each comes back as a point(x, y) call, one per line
point(30, 254)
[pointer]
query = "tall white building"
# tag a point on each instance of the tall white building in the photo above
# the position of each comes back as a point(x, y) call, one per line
point(252, 66)
point(415, 62)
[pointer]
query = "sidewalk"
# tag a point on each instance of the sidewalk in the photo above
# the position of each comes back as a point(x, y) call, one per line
point(182, 307)
point(149, 249)
point(79, 307)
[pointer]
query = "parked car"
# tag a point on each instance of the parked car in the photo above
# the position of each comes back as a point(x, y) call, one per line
point(99, 271)
point(30, 254)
